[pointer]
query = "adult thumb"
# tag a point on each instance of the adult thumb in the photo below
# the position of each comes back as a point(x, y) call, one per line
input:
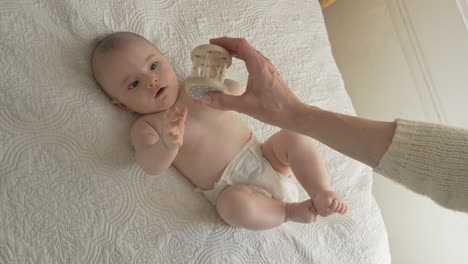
point(221, 101)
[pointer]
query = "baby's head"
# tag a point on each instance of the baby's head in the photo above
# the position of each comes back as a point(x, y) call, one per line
point(134, 73)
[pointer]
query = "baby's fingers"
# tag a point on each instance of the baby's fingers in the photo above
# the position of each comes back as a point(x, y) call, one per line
point(173, 135)
point(175, 109)
point(183, 113)
point(180, 117)
point(177, 122)
point(176, 112)
point(169, 115)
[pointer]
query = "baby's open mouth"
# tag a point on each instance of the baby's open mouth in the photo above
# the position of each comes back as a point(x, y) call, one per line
point(160, 91)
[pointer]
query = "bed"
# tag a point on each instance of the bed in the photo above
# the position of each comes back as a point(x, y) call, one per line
point(70, 190)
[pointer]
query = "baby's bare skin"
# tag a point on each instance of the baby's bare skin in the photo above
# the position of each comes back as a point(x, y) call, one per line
point(220, 133)
point(200, 141)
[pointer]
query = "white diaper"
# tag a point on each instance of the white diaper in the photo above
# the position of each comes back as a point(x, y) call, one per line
point(251, 168)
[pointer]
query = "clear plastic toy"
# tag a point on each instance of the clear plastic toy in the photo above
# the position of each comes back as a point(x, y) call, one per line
point(208, 65)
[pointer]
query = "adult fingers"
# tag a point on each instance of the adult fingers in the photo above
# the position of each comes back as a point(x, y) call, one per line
point(242, 50)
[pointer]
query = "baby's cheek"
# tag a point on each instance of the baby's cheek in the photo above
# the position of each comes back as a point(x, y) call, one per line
point(173, 78)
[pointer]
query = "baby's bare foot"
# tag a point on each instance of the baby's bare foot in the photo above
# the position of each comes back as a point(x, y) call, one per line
point(303, 212)
point(328, 202)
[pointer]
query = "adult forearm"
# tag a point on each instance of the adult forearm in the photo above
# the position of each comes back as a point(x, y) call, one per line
point(361, 139)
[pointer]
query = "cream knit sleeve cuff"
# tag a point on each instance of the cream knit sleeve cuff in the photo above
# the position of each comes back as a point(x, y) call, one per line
point(430, 159)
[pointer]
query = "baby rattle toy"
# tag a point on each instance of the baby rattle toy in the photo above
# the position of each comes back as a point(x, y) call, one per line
point(208, 65)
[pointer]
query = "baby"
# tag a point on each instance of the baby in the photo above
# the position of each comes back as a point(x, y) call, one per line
point(248, 182)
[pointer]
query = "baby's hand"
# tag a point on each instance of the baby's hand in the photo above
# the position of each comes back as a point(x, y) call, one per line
point(173, 127)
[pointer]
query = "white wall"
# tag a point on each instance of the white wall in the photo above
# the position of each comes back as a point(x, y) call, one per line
point(437, 52)
point(374, 44)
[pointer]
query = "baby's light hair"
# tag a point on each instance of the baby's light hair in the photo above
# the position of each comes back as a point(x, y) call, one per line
point(112, 40)
point(106, 43)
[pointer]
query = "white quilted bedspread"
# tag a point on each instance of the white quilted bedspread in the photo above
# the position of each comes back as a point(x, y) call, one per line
point(70, 191)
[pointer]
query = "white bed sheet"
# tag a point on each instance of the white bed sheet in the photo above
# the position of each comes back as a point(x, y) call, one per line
point(70, 191)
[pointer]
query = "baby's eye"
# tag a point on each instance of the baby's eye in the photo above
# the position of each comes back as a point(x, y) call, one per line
point(133, 85)
point(154, 66)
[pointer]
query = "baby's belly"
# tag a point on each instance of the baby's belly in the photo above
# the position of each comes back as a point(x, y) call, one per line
point(202, 159)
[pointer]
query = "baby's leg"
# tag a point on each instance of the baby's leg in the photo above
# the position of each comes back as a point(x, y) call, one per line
point(288, 149)
point(241, 206)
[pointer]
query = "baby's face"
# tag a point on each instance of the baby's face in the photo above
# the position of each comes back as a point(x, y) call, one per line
point(138, 77)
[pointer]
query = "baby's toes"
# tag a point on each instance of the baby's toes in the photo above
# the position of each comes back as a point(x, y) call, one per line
point(340, 208)
point(343, 209)
point(313, 210)
point(335, 205)
point(314, 216)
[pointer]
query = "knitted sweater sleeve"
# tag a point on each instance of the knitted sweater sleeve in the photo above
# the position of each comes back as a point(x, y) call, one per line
point(429, 159)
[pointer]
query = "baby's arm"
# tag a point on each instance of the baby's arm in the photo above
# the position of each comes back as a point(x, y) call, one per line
point(156, 151)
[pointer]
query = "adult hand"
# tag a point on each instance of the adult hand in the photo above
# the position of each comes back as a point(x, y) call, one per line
point(267, 97)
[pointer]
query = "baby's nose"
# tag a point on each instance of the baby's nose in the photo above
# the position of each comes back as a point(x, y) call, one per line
point(152, 81)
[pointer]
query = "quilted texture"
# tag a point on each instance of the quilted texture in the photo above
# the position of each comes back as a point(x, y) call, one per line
point(70, 190)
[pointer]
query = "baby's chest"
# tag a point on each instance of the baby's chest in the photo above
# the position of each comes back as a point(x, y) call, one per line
point(212, 145)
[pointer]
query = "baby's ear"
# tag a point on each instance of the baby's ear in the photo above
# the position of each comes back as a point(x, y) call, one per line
point(121, 105)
